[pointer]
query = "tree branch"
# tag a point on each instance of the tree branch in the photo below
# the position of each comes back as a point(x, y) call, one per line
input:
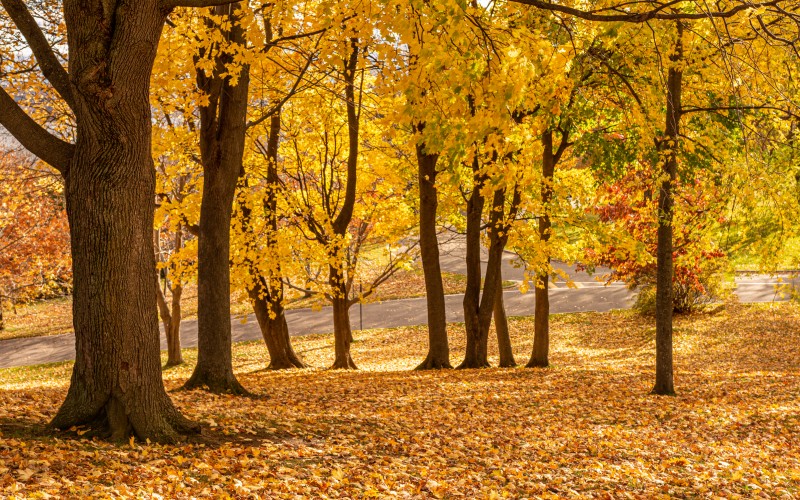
point(51, 67)
point(642, 17)
point(33, 136)
point(171, 4)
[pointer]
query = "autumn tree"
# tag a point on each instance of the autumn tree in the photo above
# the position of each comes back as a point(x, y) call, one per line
point(110, 192)
point(34, 238)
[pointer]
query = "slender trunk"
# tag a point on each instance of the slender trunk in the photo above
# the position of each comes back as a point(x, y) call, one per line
point(341, 307)
point(475, 356)
point(669, 161)
point(116, 382)
point(438, 347)
point(222, 135)
point(501, 326)
point(342, 333)
point(173, 332)
point(541, 319)
point(266, 292)
point(2, 320)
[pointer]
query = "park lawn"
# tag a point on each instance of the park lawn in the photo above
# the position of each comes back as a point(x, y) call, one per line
point(586, 427)
point(38, 319)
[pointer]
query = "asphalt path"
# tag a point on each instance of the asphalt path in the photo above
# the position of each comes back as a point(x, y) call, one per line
point(584, 294)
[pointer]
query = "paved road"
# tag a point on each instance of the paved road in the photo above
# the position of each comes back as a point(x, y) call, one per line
point(589, 296)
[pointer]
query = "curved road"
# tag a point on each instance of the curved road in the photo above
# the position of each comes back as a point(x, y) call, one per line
point(590, 295)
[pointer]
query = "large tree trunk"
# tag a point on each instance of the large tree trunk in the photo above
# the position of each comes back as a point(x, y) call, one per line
point(504, 347)
point(541, 318)
point(222, 135)
point(669, 160)
point(110, 187)
point(438, 348)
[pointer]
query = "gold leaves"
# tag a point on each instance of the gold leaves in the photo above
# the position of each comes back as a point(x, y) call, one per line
point(585, 427)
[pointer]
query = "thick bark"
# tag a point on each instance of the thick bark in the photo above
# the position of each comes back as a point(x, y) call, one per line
point(541, 319)
point(222, 136)
point(664, 267)
point(438, 347)
point(116, 382)
point(501, 326)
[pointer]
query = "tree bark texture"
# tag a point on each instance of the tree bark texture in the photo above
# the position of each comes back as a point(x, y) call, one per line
point(664, 271)
point(222, 137)
point(116, 382)
point(438, 347)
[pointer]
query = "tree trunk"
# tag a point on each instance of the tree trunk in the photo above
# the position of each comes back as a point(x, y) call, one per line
point(343, 335)
point(266, 292)
point(438, 348)
point(541, 318)
point(2, 320)
point(116, 382)
point(475, 356)
point(222, 135)
point(669, 160)
point(501, 326)
point(274, 329)
point(173, 333)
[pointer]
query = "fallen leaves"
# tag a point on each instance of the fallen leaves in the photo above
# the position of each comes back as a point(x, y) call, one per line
point(584, 428)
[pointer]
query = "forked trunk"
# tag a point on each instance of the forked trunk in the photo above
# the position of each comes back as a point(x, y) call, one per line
point(476, 355)
point(116, 382)
point(438, 347)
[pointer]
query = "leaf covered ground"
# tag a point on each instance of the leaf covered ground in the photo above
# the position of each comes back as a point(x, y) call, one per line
point(584, 428)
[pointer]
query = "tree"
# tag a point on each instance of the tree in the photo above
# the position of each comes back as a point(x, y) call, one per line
point(110, 191)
